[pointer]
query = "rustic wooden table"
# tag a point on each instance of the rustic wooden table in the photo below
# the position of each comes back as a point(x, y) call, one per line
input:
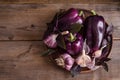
point(22, 24)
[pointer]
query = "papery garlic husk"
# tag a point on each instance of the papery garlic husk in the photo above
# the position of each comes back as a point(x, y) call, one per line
point(98, 53)
point(83, 59)
point(50, 41)
point(91, 65)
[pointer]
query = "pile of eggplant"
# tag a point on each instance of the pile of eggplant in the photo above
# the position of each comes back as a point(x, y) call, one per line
point(78, 40)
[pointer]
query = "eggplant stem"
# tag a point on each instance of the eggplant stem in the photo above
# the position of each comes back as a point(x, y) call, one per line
point(81, 13)
point(72, 37)
point(94, 13)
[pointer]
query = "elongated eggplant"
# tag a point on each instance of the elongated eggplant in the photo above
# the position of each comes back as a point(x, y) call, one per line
point(94, 31)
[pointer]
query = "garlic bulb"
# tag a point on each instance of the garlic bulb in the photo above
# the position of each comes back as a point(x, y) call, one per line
point(50, 41)
point(65, 61)
point(83, 59)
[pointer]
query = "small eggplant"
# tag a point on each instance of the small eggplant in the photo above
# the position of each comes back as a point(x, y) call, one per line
point(65, 61)
point(94, 31)
point(76, 46)
point(70, 17)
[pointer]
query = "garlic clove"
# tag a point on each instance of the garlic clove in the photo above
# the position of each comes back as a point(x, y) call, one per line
point(98, 53)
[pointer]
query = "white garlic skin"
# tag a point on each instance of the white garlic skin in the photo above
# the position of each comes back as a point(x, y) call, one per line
point(83, 59)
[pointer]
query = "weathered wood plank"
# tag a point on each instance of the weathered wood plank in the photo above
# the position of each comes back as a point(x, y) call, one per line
point(22, 1)
point(21, 61)
point(93, 1)
point(107, 1)
point(57, 1)
point(28, 21)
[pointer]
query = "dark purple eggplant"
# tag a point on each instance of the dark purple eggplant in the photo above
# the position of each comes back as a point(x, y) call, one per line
point(94, 31)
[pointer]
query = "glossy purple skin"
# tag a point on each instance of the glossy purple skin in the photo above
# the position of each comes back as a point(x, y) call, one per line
point(70, 15)
point(75, 47)
point(69, 18)
point(94, 31)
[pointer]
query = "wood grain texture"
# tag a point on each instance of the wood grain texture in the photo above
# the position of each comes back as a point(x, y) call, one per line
point(22, 1)
point(22, 22)
point(22, 61)
point(57, 1)
point(28, 21)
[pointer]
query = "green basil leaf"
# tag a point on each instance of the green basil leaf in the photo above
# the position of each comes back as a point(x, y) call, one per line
point(75, 70)
point(105, 66)
point(107, 59)
point(75, 27)
point(48, 52)
point(61, 42)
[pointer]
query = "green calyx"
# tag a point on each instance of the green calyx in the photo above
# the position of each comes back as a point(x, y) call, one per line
point(72, 38)
point(93, 12)
point(81, 13)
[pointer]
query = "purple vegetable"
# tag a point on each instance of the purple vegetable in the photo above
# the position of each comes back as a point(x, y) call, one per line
point(70, 17)
point(76, 46)
point(65, 61)
point(94, 31)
